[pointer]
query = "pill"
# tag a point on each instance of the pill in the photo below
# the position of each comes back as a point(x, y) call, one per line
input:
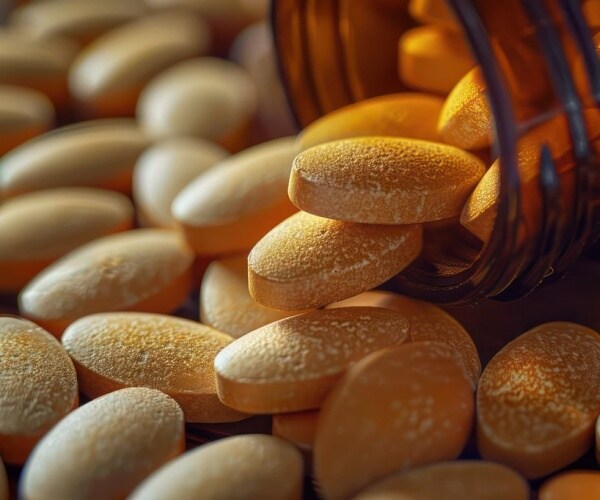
point(164, 169)
point(141, 270)
point(234, 204)
point(106, 448)
point(409, 115)
point(174, 355)
point(35, 64)
point(432, 59)
point(98, 153)
point(538, 399)
point(221, 94)
point(426, 322)
point(218, 8)
point(466, 120)
point(252, 466)
point(24, 113)
point(298, 428)
point(291, 365)
point(475, 480)
point(591, 13)
point(395, 409)
point(38, 386)
point(579, 485)
point(74, 19)
point(436, 12)
point(38, 228)
point(4, 492)
point(308, 261)
point(384, 180)
point(225, 17)
point(479, 212)
point(226, 304)
point(109, 74)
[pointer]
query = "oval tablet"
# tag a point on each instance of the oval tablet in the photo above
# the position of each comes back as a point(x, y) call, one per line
point(36, 64)
point(77, 20)
point(164, 170)
point(538, 399)
point(106, 447)
point(24, 113)
point(409, 115)
point(479, 212)
point(109, 74)
point(426, 322)
point(220, 93)
point(573, 485)
point(466, 120)
point(436, 12)
point(252, 466)
point(591, 12)
point(384, 180)
point(292, 364)
point(230, 207)
point(433, 59)
point(38, 386)
point(308, 261)
point(580, 485)
point(174, 355)
point(468, 479)
point(299, 428)
point(226, 304)
point(395, 409)
point(141, 270)
point(37, 228)
point(98, 153)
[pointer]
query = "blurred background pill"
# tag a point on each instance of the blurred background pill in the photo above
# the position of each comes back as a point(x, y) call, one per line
point(220, 93)
point(164, 169)
point(141, 270)
point(39, 227)
point(79, 20)
point(99, 153)
point(24, 113)
point(107, 77)
point(36, 64)
point(226, 18)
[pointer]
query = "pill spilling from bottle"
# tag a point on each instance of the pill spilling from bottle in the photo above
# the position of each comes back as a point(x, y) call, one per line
point(206, 294)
